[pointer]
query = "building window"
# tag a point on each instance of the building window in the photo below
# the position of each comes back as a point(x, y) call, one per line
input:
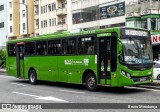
point(24, 27)
point(144, 23)
point(46, 23)
point(11, 29)
point(158, 24)
point(153, 24)
point(23, 1)
point(10, 17)
point(53, 21)
point(23, 13)
point(53, 6)
point(41, 10)
point(2, 25)
point(46, 8)
point(10, 5)
point(1, 7)
point(133, 24)
point(63, 4)
point(41, 24)
point(49, 7)
point(50, 22)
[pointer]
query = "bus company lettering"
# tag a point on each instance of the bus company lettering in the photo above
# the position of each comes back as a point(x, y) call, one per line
point(68, 62)
point(86, 61)
point(77, 62)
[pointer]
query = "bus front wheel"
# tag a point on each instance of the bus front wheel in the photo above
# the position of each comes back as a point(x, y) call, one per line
point(91, 82)
point(32, 77)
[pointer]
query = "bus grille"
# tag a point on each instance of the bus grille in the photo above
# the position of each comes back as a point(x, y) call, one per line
point(141, 79)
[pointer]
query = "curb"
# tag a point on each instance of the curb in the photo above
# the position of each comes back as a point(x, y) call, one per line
point(156, 83)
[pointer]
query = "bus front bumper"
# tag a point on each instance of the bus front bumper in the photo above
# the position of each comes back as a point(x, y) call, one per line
point(124, 81)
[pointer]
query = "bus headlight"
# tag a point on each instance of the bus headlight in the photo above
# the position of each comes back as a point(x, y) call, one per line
point(126, 74)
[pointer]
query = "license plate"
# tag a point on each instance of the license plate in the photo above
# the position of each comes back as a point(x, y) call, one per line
point(143, 79)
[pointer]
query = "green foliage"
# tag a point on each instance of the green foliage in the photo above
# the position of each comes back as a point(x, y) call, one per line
point(2, 58)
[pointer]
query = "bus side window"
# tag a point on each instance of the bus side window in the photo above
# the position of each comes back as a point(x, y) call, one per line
point(50, 47)
point(72, 46)
point(41, 48)
point(58, 47)
point(86, 45)
point(54, 47)
point(90, 48)
point(64, 46)
point(11, 50)
point(30, 48)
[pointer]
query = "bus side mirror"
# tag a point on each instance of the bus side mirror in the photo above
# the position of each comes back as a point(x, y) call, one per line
point(119, 47)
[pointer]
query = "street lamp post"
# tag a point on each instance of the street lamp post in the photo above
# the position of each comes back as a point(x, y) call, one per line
point(26, 14)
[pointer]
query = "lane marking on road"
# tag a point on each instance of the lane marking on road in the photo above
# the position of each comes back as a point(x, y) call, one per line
point(72, 91)
point(50, 98)
point(18, 84)
point(143, 88)
point(7, 76)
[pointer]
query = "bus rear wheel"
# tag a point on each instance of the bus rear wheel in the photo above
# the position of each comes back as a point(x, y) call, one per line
point(33, 77)
point(91, 82)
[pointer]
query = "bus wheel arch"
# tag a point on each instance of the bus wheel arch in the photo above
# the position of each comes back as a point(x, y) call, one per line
point(89, 77)
point(32, 76)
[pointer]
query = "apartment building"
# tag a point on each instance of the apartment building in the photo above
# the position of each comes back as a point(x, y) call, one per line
point(146, 14)
point(50, 16)
point(92, 14)
point(3, 23)
point(20, 15)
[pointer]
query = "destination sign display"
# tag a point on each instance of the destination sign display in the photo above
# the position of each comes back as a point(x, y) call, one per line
point(135, 32)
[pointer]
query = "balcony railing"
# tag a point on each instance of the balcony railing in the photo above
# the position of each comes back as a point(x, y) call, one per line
point(62, 27)
point(36, 16)
point(36, 31)
point(61, 11)
point(36, 2)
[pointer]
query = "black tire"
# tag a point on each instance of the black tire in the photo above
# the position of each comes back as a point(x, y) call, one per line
point(33, 77)
point(91, 82)
point(158, 77)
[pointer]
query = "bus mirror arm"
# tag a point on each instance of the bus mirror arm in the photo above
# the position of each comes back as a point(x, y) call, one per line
point(119, 47)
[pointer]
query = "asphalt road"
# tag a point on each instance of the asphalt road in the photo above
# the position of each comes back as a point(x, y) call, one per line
point(13, 90)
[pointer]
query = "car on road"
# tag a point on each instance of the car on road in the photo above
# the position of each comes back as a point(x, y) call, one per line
point(156, 70)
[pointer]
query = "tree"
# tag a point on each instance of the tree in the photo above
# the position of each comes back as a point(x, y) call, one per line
point(2, 58)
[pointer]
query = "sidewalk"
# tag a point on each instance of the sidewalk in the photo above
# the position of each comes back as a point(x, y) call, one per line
point(2, 70)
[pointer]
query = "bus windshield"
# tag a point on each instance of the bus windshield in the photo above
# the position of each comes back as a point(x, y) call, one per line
point(137, 51)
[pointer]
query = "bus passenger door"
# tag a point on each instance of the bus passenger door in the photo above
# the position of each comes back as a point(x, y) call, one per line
point(105, 59)
point(20, 59)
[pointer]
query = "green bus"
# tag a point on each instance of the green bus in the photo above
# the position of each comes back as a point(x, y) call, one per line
point(115, 57)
